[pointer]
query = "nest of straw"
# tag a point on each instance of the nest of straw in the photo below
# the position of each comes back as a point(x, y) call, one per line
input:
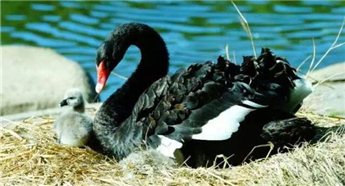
point(31, 156)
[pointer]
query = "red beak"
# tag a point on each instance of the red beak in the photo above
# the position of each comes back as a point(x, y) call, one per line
point(102, 76)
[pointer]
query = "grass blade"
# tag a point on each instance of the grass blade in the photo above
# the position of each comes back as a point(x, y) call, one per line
point(313, 59)
point(227, 52)
point(304, 61)
point(333, 46)
point(245, 26)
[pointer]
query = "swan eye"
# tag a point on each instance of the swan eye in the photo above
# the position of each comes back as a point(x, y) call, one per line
point(104, 58)
point(72, 98)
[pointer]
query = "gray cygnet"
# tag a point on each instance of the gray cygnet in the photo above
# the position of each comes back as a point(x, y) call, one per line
point(73, 127)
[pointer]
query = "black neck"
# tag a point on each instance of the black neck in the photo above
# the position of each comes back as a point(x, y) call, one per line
point(153, 65)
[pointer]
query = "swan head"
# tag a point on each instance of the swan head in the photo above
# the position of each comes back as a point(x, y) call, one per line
point(73, 97)
point(151, 45)
point(111, 52)
point(107, 59)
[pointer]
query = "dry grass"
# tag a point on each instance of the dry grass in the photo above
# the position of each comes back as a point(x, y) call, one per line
point(30, 156)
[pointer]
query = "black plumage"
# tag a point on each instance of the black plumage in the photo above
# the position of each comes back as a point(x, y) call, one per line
point(151, 104)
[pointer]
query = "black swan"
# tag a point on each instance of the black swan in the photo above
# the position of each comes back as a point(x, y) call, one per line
point(73, 127)
point(199, 112)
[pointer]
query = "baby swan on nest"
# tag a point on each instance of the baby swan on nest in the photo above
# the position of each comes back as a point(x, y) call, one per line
point(73, 127)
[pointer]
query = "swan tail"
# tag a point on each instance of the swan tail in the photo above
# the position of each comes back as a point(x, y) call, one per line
point(301, 90)
point(270, 74)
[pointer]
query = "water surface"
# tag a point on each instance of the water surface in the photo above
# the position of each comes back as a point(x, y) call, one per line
point(194, 31)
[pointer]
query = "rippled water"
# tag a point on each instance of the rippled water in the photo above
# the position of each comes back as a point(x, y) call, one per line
point(194, 31)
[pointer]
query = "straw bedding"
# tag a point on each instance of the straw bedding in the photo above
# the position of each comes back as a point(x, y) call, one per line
point(31, 156)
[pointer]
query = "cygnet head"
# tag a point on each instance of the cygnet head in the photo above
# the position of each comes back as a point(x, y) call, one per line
point(73, 97)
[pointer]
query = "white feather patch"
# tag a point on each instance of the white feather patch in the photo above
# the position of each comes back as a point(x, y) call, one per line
point(252, 104)
point(228, 122)
point(168, 146)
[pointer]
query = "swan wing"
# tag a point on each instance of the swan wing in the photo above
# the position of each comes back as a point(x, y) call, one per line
point(209, 101)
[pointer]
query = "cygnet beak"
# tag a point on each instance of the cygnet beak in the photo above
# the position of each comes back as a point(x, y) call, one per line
point(63, 103)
